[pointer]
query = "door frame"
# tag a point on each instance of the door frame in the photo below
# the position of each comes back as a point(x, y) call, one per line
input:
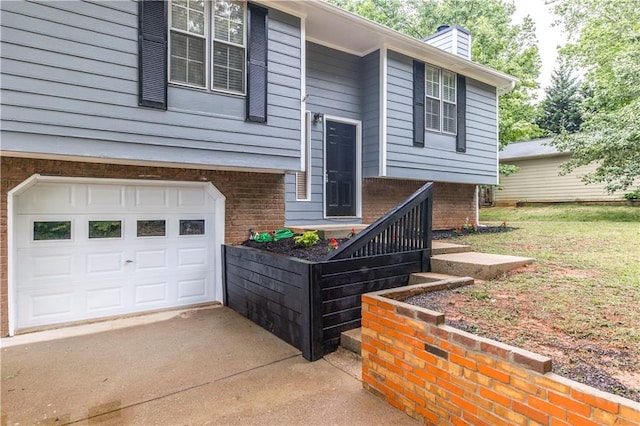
point(358, 181)
point(12, 255)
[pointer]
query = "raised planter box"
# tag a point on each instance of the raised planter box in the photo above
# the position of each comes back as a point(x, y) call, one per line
point(308, 304)
point(441, 375)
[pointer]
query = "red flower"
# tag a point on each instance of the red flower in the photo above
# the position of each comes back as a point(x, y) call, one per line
point(333, 243)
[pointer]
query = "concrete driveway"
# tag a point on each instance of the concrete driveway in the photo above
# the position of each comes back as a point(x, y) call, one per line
point(207, 366)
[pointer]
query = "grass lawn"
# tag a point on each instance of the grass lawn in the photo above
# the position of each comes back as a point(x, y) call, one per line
point(579, 302)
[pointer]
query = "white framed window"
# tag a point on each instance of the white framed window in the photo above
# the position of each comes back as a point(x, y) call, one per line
point(440, 100)
point(208, 44)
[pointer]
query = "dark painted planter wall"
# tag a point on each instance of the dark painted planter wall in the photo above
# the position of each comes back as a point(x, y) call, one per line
point(308, 304)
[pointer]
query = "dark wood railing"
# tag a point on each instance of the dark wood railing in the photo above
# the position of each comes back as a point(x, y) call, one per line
point(405, 228)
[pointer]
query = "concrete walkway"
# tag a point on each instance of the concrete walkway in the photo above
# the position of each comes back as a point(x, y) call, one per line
point(208, 366)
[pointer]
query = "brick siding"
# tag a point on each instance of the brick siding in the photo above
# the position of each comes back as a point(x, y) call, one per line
point(443, 376)
point(453, 203)
point(253, 200)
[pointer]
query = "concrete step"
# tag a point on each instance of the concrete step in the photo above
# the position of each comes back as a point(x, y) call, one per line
point(443, 247)
point(484, 266)
point(352, 340)
point(430, 277)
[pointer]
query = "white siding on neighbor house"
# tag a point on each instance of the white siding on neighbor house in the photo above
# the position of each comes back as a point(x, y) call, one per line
point(438, 159)
point(70, 87)
point(538, 181)
point(334, 86)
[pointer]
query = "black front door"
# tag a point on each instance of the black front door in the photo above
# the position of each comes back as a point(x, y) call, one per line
point(341, 169)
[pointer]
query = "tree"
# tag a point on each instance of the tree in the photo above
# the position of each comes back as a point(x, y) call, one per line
point(605, 42)
point(496, 42)
point(562, 103)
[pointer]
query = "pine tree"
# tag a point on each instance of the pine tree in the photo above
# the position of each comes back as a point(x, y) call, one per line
point(561, 106)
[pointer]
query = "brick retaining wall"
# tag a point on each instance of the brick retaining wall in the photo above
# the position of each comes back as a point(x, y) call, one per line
point(443, 376)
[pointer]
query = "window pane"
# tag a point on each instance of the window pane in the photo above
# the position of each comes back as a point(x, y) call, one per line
point(151, 228)
point(449, 86)
point(187, 59)
point(228, 69)
point(228, 22)
point(449, 116)
point(192, 227)
point(178, 16)
point(52, 230)
point(432, 114)
point(432, 81)
point(188, 16)
point(105, 229)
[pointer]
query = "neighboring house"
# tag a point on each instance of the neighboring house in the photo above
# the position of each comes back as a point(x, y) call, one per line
point(137, 137)
point(539, 179)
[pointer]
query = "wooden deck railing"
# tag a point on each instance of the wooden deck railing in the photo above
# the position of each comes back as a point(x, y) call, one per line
point(405, 228)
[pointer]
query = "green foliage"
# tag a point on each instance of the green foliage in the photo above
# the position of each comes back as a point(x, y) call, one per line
point(635, 195)
point(308, 239)
point(561, 106)
point(496, 42)
point(606, 44)
point(562, 213)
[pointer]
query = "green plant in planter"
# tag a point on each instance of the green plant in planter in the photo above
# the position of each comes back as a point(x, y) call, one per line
point(308, 239)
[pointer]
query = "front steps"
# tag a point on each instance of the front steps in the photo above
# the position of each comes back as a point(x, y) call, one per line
point(451, 261)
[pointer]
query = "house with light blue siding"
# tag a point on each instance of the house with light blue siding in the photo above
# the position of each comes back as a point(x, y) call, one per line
point(138, 136)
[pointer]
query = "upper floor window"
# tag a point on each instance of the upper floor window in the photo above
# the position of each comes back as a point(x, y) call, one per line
point(440, 100)
point(208, 44)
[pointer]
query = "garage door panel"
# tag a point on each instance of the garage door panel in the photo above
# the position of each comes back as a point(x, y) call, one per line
point(51, 266)
point(191, 197)
point(48, 198)
point(105, 263)
point(192, 257)
point(110, 196)
point(151, 260)
point(151, 293)
point(151, 197)
point(105, 298)
point(45, 306)
point(190, 289)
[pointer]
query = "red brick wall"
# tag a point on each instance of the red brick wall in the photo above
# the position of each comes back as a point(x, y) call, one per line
point(443, 376)
point(453, 203)
point(252, 199)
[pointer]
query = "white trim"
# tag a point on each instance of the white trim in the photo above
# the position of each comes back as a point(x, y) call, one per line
point(454, 43)
point(126, 162)
point(497, 137)
point(306, 154)
point(358, 183)
point(335, 47)
point(384, 69)
point(218, 226)
point(303, 93)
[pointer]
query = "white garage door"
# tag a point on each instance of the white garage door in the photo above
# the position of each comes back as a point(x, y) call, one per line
point(98, 249)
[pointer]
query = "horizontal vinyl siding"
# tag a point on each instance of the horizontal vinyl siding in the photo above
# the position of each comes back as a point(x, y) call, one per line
point(334, 86)
point(443, 41)
point(371, 115)
point(539, 181)
point(438, 160)
point(70, 87)
point(464, 48)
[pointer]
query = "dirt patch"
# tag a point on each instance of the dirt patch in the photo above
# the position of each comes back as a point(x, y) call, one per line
point(592, 362)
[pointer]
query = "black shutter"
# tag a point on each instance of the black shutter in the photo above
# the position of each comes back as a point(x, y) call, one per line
point(461, 101)
point(152, 54)
point(418, 103)
point(257, 64)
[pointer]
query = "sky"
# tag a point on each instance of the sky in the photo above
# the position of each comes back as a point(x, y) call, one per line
point(548, 37)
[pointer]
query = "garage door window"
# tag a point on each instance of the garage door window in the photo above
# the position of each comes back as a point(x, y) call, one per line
point(105, 229)
point(192, 227)
point(43, 231)
point(151, 228)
